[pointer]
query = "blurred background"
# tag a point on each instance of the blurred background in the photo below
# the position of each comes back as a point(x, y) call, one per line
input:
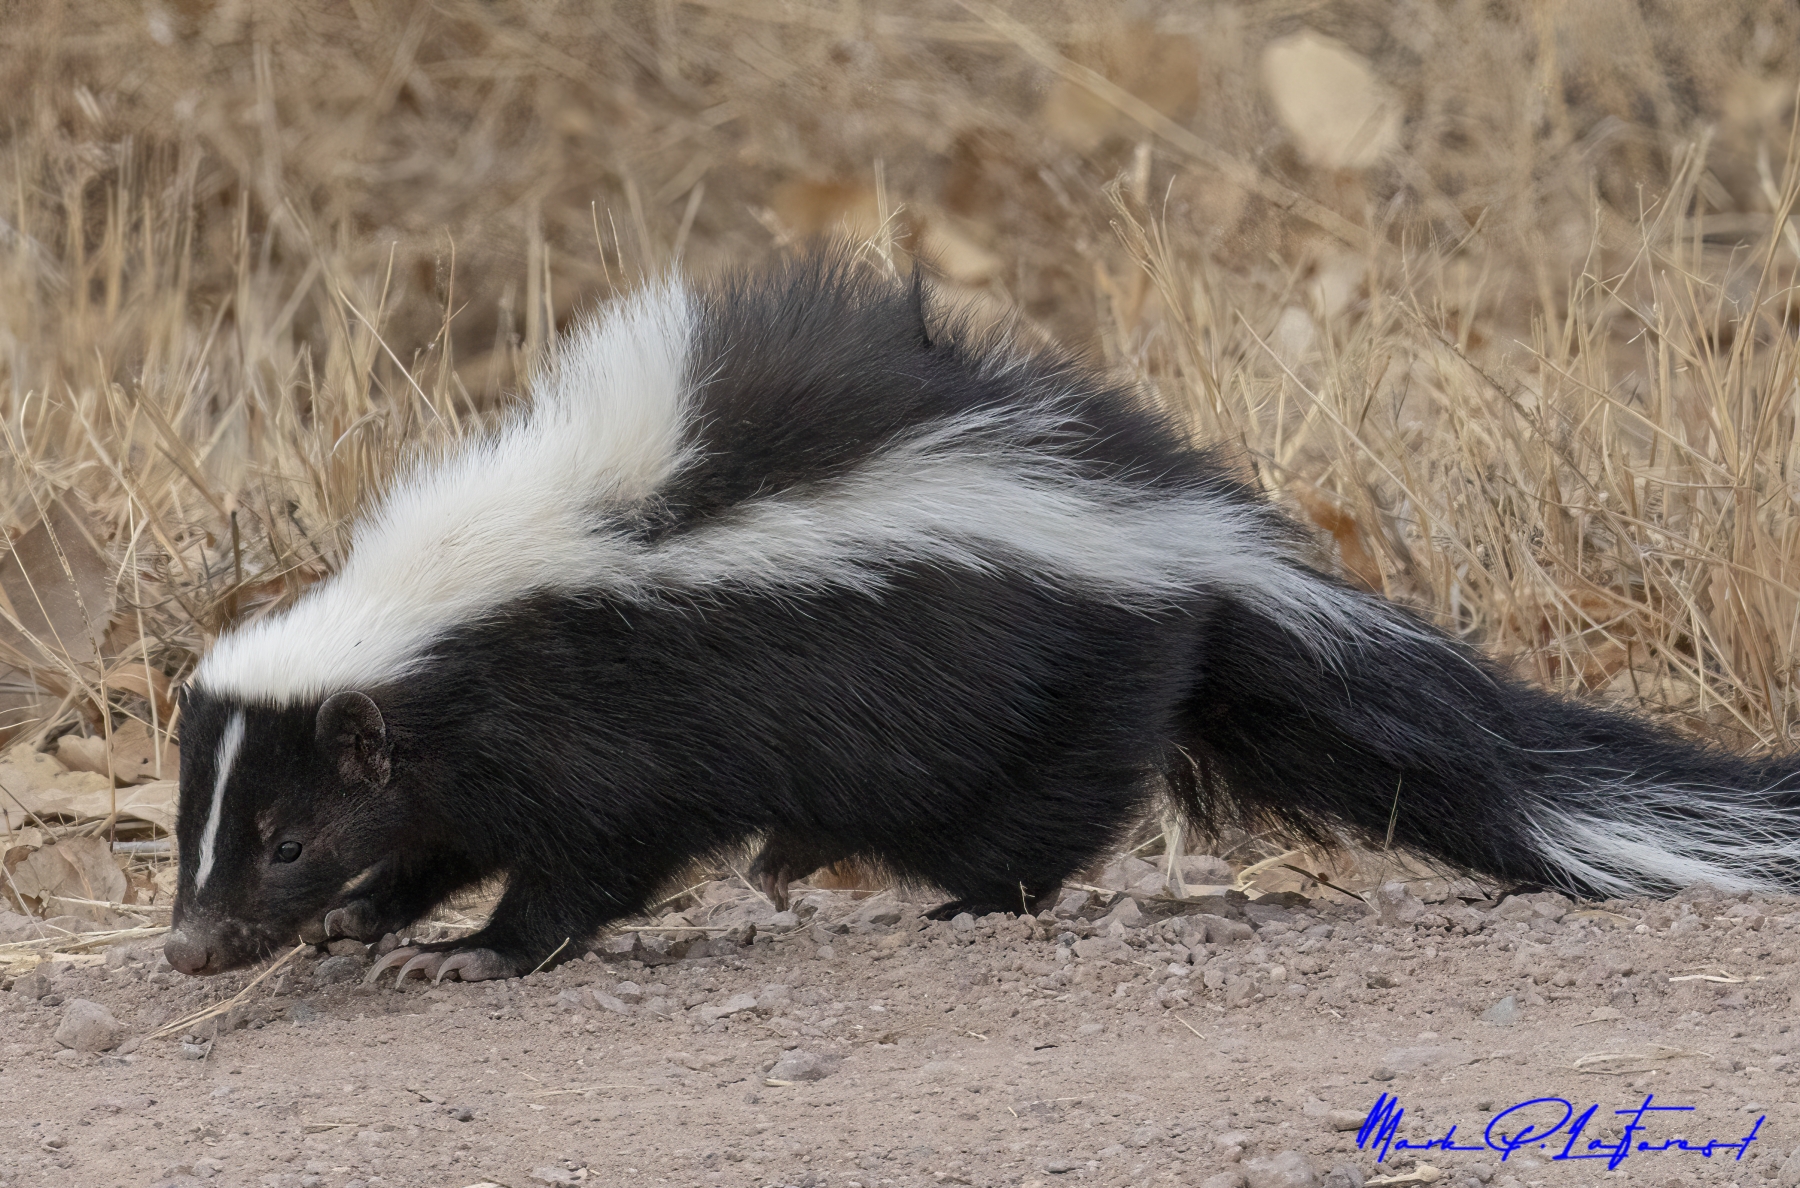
point(1497, 296)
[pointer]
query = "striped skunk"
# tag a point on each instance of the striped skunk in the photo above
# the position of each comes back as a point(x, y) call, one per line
point(805, 559)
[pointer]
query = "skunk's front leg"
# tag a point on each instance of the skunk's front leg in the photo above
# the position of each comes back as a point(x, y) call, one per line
point(544, 917)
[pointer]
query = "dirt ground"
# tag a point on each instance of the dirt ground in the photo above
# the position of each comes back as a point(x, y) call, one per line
point(1115, 1041)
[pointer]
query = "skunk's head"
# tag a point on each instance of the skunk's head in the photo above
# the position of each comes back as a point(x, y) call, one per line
point(281, 807)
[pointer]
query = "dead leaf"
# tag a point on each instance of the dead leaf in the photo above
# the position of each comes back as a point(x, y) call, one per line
point(1353, 551)
point(137, 758)
point(65, 619)
point(76, 868)
point(82, 754)
point(1162, 69)
point(132, 678)
point(1339, 114)
point(33, 783)
point(49, 623)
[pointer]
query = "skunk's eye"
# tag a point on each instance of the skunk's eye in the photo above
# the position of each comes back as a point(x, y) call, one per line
point(287, 851)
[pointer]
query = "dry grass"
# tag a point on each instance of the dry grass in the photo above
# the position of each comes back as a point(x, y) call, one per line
point(1528, 359)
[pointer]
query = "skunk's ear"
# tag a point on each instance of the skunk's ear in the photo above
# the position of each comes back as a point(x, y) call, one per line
point(351, 734)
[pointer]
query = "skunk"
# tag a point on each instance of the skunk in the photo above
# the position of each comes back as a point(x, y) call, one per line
point(804, 561)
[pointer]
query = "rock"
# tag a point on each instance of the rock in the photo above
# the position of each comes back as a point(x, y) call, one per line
point(607, 1002)
point(33, 985)
point(1230, 1179)
point(557, 1175)
point(14, 927)
point(1057, 1167)
point(1101, 948)
point(1071, 903)
point(878, 914)
point(88, 1027)
point(622, 944)
point(1503, 1013)
point(1447, 1055)
point(1344, 1175)
point(711, 1013)
point(783, 922)
point(1345, 1120)
point(460, 1113)
point(963, 922)
point(1127, 873)
point(1220, 931)
point(1125, 914)
point(1789, 1175)
point(1383, 1074)
point(1289, 1169)
point(797, 1065)
point(1145, 1136)
point(629, 993)
point(345, 947)
point(333, 970)
point(1396, 906)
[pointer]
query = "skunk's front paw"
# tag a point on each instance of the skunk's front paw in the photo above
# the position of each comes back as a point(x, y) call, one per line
point(471, 965)
point(358, 919)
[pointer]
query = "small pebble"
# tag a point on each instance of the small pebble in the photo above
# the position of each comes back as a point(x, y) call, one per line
point(334, 970)
point(89, 1027)
point(796, 1065)
point(1289, 1169)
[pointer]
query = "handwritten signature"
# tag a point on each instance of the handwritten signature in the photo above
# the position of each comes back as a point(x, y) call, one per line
point(1541, 1120)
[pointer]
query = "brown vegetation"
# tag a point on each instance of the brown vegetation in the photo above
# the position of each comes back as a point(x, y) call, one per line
point(1501, 297)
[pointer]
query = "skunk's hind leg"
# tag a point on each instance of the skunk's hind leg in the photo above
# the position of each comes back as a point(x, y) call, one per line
point(786, 857)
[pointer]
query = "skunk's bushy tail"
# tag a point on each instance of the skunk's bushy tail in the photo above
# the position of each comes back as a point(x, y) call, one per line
point(1410, 727)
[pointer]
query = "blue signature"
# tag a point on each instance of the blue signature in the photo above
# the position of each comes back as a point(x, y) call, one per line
point(1540, 1120)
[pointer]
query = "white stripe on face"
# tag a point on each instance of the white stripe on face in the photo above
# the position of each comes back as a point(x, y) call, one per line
point(228, 749)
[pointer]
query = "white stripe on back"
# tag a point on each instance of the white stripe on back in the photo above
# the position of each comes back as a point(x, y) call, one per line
point(528, 510)
point(229, 742)
point(498, 517)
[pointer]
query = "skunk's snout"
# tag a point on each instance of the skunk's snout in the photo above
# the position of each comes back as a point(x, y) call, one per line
point(187, 953)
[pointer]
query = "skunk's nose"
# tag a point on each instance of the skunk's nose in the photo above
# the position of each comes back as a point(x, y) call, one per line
point(185, 953)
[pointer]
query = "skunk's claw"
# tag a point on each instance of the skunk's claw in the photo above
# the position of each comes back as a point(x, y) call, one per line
point(426, 963)
point(405, 953)
point(473, 965)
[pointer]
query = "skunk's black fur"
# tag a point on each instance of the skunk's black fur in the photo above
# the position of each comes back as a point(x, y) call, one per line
point(900, 593)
